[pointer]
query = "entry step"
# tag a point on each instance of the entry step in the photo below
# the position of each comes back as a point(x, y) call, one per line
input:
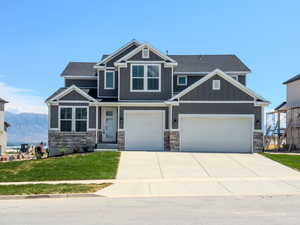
point(106, 147)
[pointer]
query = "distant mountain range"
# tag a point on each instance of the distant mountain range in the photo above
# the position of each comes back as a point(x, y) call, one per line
point(28, 128)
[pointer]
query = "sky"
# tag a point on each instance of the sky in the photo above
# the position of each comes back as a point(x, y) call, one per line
point(39, 38)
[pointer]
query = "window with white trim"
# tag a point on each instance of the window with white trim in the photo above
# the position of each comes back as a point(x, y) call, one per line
point(80, 119)
point(73, 119)
point(181, 80)
point(216, 84)
point(145, 78)
point(145, 53)
point(236, 77)
point(66, 117)
point(109, 80)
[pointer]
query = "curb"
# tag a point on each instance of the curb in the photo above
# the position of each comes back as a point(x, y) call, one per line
point(47, 196)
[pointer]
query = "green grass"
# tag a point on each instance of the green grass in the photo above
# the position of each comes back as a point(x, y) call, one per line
point(292, 161)
point(98, 165)
point(29, 189)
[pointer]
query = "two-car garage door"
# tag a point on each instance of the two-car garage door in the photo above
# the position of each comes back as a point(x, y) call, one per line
point(216, 133)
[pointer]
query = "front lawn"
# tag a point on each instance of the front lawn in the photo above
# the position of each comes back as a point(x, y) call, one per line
point(292, 161)
point(30, 189)
point(98, 165)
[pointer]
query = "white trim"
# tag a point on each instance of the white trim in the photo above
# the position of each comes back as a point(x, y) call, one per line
point(227, 78)
point(70, 77)
point(145, 53)
point(214, 102)
point(216, 85)
point(74, 101)
point(136, 50)
point(251, 116)
point(105, 87)
point(69, 90)
point(108, 96)
point(182, 76)
point(145, 77)
point(235, 77)
point(203, 73)
point(118, 51)
point(103, 118)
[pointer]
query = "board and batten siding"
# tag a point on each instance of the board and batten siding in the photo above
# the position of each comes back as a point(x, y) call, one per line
point(227, 92)
point(152, 57)
point(81, 83)
point(107, 92)
point(73, 96)
point(216, 108)
point(122, 109)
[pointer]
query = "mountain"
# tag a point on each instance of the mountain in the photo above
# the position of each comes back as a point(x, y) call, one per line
point(28, 128)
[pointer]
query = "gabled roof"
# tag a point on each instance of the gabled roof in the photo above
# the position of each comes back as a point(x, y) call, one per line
point(3, 101)
point(208, 63)
point(135, 51)
point(124, 47)
point(282, 106)
point(64, 91)
point(295, 78)
point(226, 77)
point(79, 69)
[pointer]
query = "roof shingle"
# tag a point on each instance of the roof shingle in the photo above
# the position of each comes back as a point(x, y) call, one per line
point(79, 69)
point(295, 78)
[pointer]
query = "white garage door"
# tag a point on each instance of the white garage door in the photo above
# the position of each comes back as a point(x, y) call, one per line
point(216, 134)
point(144, 130)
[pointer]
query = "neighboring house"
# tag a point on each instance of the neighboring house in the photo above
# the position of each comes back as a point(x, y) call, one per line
point(292, 108)
point(3, 127)
point(141, 99)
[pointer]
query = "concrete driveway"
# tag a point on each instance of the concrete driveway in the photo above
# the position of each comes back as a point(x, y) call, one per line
point(198, 174)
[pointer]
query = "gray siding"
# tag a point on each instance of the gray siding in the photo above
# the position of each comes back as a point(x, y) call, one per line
point(242, 79)
point(53, 116)
point(164, 94)
point(110, 63)
point(152, 57)
point(104, 92)
point(73, 104)
point(228, 92)
point(218, 108)
point(81, 83)
point(92, 117)
point(121, 125)
point(99, 118)
point(74, 96)
point(190, 80)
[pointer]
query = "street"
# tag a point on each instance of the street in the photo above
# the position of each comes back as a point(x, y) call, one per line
point(159, 211)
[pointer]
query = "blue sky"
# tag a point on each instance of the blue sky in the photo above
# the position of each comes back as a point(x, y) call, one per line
point(38, 39)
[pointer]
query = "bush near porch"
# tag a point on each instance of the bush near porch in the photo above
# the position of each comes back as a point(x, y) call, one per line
point(98, 165)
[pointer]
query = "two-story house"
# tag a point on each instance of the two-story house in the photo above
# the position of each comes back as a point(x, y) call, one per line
point(142, 99)
point(3, 127)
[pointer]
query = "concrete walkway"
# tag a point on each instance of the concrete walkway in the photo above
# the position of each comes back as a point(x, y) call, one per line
point(149, 174)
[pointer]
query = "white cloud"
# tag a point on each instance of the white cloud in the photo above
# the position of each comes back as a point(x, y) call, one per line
point(22, 100)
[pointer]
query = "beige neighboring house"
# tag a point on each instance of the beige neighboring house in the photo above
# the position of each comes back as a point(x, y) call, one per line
point(3, 127)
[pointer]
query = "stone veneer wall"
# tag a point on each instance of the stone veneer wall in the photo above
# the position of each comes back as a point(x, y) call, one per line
point(174, 141)
point(121, 140)
point(258, 141)
point(68, 141)
point(167, 140)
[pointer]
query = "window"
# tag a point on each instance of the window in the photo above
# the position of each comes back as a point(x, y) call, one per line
point(236, 77)
point(109, 80)
point(181, 80)
point(216, 85)
point(66, 119)
point(145, 78)
point(145, 53)
point(73, 119)
point(80, 119)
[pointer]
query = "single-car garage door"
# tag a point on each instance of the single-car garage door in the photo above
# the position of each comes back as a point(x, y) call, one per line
point(216, 133)
point(144, 130)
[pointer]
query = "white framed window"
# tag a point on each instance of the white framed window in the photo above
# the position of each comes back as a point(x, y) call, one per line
point(66, 119)
point(236, 77)
point(145, 78)
point(109, 80)
point(181, 80)
point(145, 53)
point(73, 119)
point(216, 84)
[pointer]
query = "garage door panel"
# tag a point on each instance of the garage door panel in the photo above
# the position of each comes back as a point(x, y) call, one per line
point(144, 130)
point(216, 134)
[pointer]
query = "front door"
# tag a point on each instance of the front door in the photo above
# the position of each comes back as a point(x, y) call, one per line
point(109, 131)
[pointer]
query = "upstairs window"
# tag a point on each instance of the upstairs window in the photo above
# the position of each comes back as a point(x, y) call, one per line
point(145, 53)
point(145, 78)
point(216, 84)
point(181, 80)
point(109, 80)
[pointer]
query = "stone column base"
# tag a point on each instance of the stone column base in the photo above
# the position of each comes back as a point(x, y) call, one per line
point(258, 141)
point(121, 140)
point(174, 141)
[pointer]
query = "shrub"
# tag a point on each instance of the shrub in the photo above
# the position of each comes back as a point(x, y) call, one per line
point(76, 149)
point(62, 151)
